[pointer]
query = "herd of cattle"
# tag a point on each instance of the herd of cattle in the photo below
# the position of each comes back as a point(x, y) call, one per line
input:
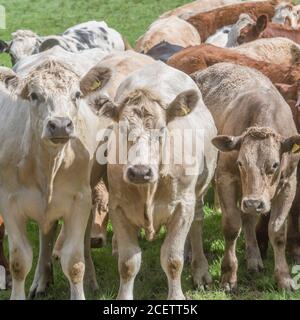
point(228, 70)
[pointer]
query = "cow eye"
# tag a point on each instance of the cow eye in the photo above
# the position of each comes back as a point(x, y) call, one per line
point(239, 163)
point(275, 166)
point(241, 39)
point(33, 96)
point(78, 95)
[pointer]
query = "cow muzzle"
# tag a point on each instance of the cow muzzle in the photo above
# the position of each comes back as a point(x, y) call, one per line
point(254, 206)
point(59, 130)
point(139, 174)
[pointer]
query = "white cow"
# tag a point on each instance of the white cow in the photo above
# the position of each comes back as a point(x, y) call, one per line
point(87, 35)
point(147, 193)
point(47, 175)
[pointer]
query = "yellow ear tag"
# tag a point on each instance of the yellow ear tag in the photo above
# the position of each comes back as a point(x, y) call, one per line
point(185, 110)
point(296, 148)
point(96, 85)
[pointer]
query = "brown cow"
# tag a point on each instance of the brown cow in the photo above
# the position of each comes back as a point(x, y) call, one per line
point(207, 23)
point(265, 29)
point(256, 171)
point(287, 80)
point(285, 77)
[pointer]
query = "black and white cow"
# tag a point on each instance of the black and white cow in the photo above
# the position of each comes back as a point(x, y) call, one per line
point(87, 35)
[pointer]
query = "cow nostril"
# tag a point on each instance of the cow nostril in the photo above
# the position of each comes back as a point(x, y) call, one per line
point(131, 173)
point(261, 206)
point(148, 174)
point(69, 126)
point(51, 126)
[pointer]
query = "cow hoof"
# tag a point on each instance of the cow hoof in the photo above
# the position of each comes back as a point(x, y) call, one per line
point(34, 294)
point(255, 265)
point(177, 297)
point(201, 279)
point(41, 283)
point(286, 283)
point(56, 255)
point(98, 242)
point(230, 288)
point(296, 259)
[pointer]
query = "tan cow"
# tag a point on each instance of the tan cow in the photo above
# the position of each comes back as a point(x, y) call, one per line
point(256, 171)
point(189, 9)
point(147, 193)
point(172, 30)
point(272, 50)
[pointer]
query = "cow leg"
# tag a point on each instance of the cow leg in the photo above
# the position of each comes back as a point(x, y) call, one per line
point(114, 245)
point(3, 259)
point(100, 213)
point(231, 225)
point(90, 279)
point(72, 253)
point(59, 244)
point(44, 271)
point(201, 276)
point(277, 233)
point(293, 234)
point(20, 254)
point(254, 260)
point(262, 235)
point(172, 250)
point(129, 253)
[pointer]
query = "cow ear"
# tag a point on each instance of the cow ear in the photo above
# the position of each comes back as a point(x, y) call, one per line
point(261, 23)
point(94, 80)
point(48, 44)
point(4, 46)
point(286, 90)
point(291, 144)
point(183, 104)
point(103, 106)
point(295, 52)
point(9, 78)
point(227, 143)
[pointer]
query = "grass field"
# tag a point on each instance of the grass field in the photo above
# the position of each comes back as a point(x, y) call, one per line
point(131, 18)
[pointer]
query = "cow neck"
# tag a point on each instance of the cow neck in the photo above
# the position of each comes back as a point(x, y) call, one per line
point(40, 164)
point(147, 194)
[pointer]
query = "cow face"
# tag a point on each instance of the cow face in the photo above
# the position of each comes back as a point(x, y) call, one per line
point(23, 44)
point(143, 120)
point(54, 95)
point(286, 15)
point(259, 162)
point(52, 90)
point(236, 33)
point(253, 31)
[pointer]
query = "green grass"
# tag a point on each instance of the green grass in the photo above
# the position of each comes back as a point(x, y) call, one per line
point(131, 18)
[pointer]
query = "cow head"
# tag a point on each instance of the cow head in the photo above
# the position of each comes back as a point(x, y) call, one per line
point(235, 35)
point(286, 15)
point(260, 162)
point(252, 31)
point(53, 93)
point(24, 43)
point(142, 120)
